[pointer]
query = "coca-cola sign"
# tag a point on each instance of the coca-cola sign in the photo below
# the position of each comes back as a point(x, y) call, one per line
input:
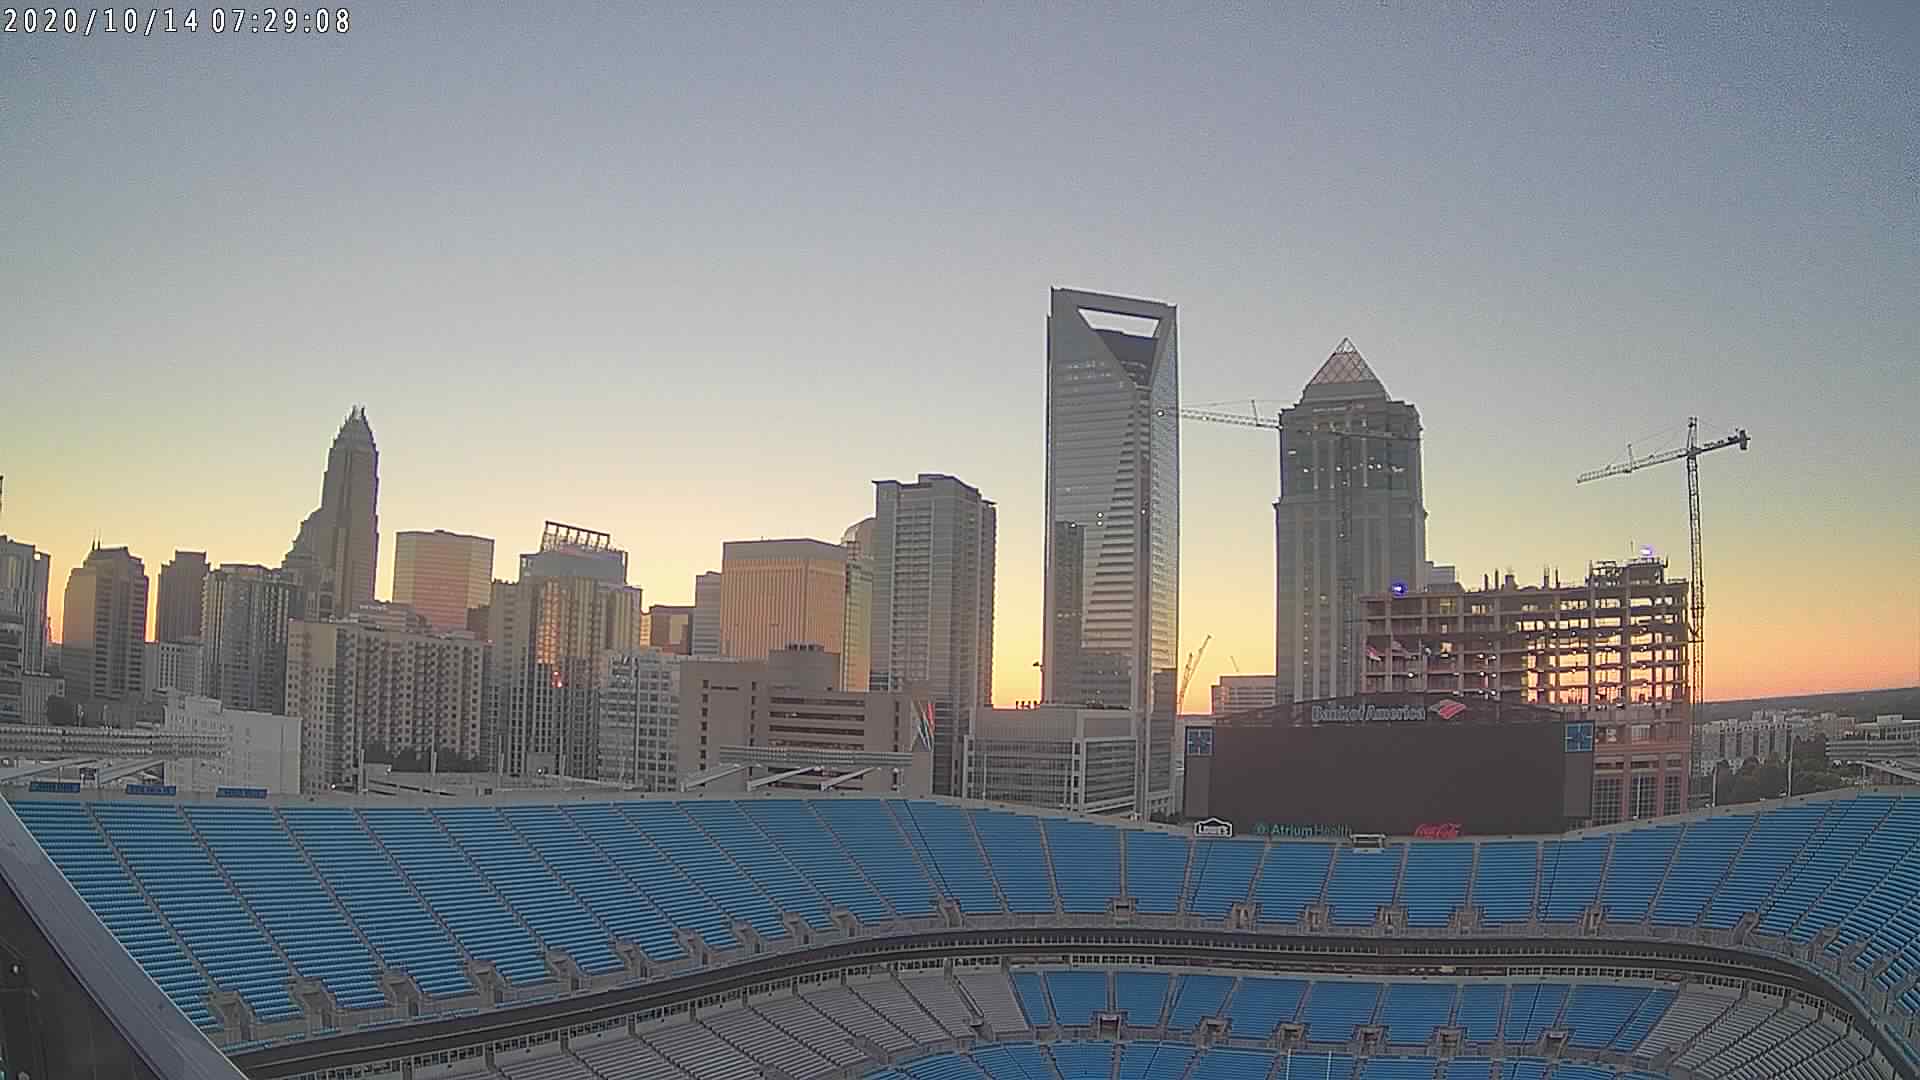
point(1444, 830)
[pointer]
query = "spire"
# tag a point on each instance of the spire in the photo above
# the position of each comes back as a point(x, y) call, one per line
point(1345, 375)
point(355, 426)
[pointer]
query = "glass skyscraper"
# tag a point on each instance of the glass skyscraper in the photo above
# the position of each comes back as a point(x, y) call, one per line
point(1113, 518)
point(1345, 440)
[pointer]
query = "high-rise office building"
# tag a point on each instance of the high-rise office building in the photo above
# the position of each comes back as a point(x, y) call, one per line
point(1242, 693)
point(1350, 455)
point(104, 628)
point(670, 628)
point(932, 547)
point(775, 593)
point(1112, 632)
point(856, 635)
point(183, 582)
point(13, 673)
point(245, 610)
point(23, 622)
point(173, 666)
point(704, 629)
point(785, 712)
point(354, 683)
point(337, 549)
point(442, 575)
point(639, 708)
point(552, 634)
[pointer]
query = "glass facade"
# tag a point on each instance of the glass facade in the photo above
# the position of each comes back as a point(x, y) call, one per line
point(931, 544)
point(1113, 513)
point(776, 593)
point(442, 575)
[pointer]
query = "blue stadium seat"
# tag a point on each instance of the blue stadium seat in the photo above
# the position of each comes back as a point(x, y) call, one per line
point(1469, 1069)
point(1154, 1060)
point(1398, 1068)
point(1219, 1064)
point(1292, 880)
point(945, 840)
point(792, 826)
point(66, 832)
point(1031, 989)
point(652, 873)
point(458, 896)
point(1363, 883)
point(1596, 1014)
point(377, 899)
point(343, 895)
point(1869, 891)
point(605, 891)
point(1640, 860)
point(1523, 1069)
point(530, 887)
point(1086, 864)
point(760, 858)
point(1222, 874)
point(1436, 881)
point(1142, 996)
point(1314, 1065)
point(1705, 854)
point(1335, 1008)
point(1083, 1060)
point(1533, 1010)
point(668, 828)
point(1778, 836)
point(1504, 883)
point(1635, 1031)
point(1835, 839)
point(1570, 876)
point(1156, 870)
point(1077, 996)
point(1196, 997)
point(1012, 1059)
point(1480, 1011)
point(1012, 845)
point(177, 872)
point(1412, 1011)
point(868, 827)
point(1259, 1005)
point(250, 844)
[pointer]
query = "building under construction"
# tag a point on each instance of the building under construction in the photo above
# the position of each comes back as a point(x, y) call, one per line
point(1612, 650)
point(1618, 638)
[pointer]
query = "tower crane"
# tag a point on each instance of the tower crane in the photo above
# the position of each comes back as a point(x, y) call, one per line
point(1348, 667)
point(1193, 661)
point(1696, 588)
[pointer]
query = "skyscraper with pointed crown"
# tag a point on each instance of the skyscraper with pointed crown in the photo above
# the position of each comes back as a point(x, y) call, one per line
point(1349, 460)
point(337, 550)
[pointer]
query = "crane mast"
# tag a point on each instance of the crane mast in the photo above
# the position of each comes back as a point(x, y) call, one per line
point(1696, 585)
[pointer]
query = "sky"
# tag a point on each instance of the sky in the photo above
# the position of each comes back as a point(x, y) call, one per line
point(692, 273)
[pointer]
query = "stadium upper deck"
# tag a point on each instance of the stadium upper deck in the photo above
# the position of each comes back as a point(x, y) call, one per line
point(265, 923)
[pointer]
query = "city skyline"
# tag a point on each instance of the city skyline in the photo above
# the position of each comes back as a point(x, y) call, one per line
point(1567, 239)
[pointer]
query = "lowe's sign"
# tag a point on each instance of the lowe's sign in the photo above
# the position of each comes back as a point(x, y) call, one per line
point(1214, 828)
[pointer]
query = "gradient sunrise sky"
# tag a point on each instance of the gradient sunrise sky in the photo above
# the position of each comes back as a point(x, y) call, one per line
point(702, 272)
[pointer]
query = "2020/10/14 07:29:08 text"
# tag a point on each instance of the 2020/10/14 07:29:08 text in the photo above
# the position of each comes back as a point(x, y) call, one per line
point(135, 21)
